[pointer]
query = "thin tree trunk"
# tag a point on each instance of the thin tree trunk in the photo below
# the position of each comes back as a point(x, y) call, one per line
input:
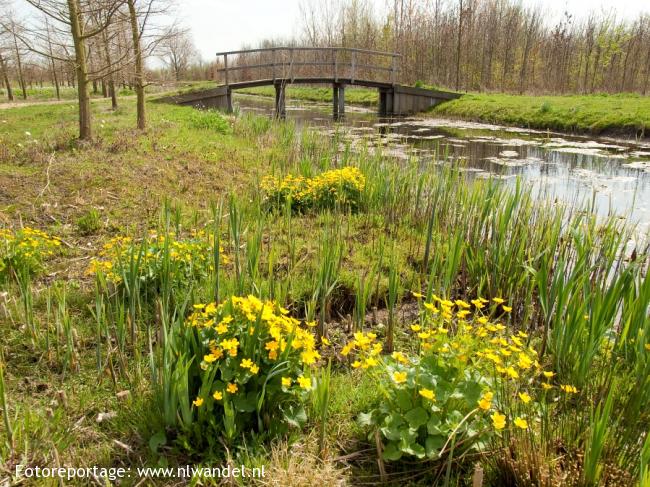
point(5, 76)
point(460, 34)
point(111, 75)
point(139, 69)
point(85, 131)
point(55, 79)
point(19, 66)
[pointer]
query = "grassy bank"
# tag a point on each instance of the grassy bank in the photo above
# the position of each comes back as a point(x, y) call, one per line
point(112, 354)
point(623, 114)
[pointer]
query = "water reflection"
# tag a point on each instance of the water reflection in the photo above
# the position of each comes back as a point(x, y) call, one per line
point(612, 175)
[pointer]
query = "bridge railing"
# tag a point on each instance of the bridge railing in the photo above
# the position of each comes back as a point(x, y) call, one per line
point(289, 63)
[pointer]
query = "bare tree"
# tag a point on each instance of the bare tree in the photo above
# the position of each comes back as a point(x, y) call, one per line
point(177, 51)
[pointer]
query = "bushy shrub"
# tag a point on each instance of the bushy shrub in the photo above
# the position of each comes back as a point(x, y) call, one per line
point(470, 380)
point(338, 188)
point(24, 251)
point(209, 120)
point(238, 367)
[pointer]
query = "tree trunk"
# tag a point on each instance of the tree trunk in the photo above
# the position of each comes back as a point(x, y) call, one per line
point(81, 68)
point(19, 66)
point(5, 76)
point(55, 79)
point(460, 34)
point(111, 75)
point(139, 69)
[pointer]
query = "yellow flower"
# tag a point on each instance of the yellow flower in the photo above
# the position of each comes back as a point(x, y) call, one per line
point(486, 400)
point(512, 373)
point(417, 295)
point(399, 377)
point(498, 420)
point(304, 382)
point(400, 357)
point(549, 375)
point(431, 307)
point(569, 389)
point(416, 328)
point(546, 386)
point(325, 341)
point(356, 364)
point(507, 309)
point(286, 382)
point(647, 346)
point(521, 423)
point(427, 394)
point(198, 402)
point(347, 348)
point(209, 358)
point(525, 398)
point(218, 395)
point(254, 369)
point(498, 300)
point(246, 363)
point(232, 387)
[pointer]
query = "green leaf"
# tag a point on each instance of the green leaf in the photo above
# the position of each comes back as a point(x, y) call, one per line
point(417, 417)
point(157, 440)
point(433, 444)
point(365, 419)
point(410, 446)
point(471, 392)
point(245, 404)
point(391, 452)
point(295, 416)
point(403, 399)
point(433, 425)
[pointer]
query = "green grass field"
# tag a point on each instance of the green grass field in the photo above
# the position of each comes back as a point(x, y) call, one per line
point(372, 322)
point(622, 114)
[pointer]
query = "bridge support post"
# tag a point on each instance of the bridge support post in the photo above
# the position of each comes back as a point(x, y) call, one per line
point(229, 100)
point(338, 101)
point(280, 101)
point(386, 102)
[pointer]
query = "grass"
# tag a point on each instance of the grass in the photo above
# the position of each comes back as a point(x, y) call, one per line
point(74, 348)
point(625, 114)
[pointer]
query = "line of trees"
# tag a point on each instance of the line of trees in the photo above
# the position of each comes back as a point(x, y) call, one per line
point(490, 45)
point(98, 45)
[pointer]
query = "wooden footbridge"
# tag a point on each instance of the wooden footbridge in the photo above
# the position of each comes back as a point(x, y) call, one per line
point(335, 66)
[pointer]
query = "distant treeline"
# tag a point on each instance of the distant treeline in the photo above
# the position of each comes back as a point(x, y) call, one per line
point(490, 45)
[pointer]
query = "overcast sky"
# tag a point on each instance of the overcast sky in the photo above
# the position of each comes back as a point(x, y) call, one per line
point(222, 25)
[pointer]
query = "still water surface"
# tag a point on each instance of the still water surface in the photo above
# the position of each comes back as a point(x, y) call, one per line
point(611, 174)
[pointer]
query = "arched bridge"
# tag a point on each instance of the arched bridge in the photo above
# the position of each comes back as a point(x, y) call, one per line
point(336, 66)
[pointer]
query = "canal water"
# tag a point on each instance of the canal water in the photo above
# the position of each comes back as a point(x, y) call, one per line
point(610, 174)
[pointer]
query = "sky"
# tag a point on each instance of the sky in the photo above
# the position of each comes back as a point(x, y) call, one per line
point(223, 25)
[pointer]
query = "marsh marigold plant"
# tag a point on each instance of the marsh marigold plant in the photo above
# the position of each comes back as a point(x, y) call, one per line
point(248, 367)
point(471, 380)
point(25, 250)
point(338, 188)
point(186, 259)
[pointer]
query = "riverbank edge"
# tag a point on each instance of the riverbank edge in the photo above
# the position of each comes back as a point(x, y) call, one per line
point(627, 116)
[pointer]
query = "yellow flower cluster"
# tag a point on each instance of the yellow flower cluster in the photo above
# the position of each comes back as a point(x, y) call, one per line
point(191, 255)
point(248, 318)
point(338, 187)
point(25, 249)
